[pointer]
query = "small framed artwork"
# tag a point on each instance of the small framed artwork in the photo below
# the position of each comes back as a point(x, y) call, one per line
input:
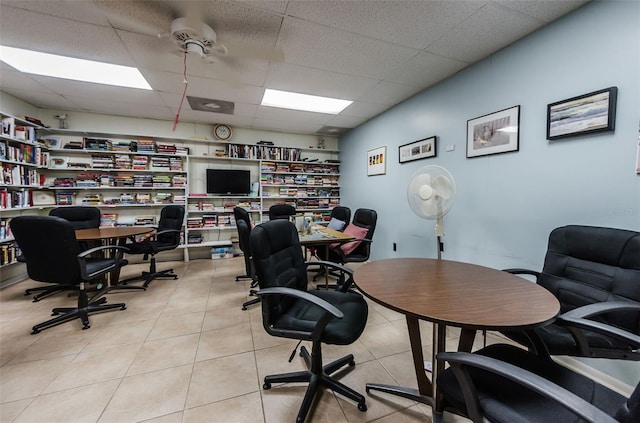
point(494, 133)
point(417, 150)
point(377, 161)
point(585, 114)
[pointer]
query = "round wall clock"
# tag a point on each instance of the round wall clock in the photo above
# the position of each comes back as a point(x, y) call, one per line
point(222, 132)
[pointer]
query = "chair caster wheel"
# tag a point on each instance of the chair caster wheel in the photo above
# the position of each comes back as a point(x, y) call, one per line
point(362, 407)
point(352, 363)
point(86, 327)
point(34, 331)
point(266, 386)
point(123, 307)
point(35, 300)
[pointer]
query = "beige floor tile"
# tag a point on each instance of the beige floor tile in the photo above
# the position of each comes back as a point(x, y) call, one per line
point(169, 418)
point(223, 318)
point(79, 405)
point(274, 360)
point(245, 408)
point(95, 365)
point(179, 306)
point(143, 309)
point(222, 378)
point(182, 324)
point(9, 411)
point(164, 353)
point(149, 395)
point(223, 342)
point(408, 415)
point(226, 299)
point(25, 380)
point(385, 339)
point(123, 333)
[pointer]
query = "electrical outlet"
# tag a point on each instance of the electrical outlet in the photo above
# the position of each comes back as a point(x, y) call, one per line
point(395, 247)
point(450, 147)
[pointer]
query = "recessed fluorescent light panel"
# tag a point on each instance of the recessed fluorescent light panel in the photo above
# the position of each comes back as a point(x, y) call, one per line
point(308, 103)
point(45, 64)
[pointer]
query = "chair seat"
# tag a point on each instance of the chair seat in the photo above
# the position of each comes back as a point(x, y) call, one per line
point(510, 402)
point(304, 316)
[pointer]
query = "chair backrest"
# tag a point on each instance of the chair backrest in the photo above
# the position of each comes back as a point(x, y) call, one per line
point(281, 211)
point(80, 217)
point(171, 217)
point(49, 247)
point(278, 261)
point(244, 232)
point(341, 213)
point(588, 264)
point(364, 218)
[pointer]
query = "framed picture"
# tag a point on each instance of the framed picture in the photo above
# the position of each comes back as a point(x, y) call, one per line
point(377, 161)
point(585, 114)
point(417, 150)
point(494, 133)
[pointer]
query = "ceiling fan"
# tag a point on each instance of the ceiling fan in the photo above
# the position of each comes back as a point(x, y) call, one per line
point(183, 23)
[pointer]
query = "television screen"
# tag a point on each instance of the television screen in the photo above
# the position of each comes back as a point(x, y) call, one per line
point(228, 181)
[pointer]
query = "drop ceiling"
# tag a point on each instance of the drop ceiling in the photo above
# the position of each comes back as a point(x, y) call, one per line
point(376, 53)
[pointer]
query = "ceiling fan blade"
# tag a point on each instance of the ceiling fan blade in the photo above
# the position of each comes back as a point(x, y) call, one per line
point(129, 16)
point(253, 52)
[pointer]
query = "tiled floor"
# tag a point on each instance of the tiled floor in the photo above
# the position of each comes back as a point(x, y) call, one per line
point(184, 351)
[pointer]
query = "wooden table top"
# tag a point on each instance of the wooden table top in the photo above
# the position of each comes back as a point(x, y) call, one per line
point(106, 233)
point(458, 294)
point(321, 235)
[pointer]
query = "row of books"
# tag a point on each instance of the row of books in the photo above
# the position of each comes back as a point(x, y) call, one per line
point(270, 167)
point(308, 192)
point(210, 221)
point(15, 174)
point(24, 153)
point(5, 229)
point(95, 180)
point(15, 199)
point(304, 179)
point(13, 129)
point(8, 253)
point(242, 151)
point(104, 144)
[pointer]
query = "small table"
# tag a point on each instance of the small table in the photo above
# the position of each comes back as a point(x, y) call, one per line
point(113, 236)
point(445, 292)
point(323, 237)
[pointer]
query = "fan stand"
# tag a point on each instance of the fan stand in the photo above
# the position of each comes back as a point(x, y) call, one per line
point(439, 229)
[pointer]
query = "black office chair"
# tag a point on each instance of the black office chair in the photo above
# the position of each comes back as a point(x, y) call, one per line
point(52, 254)
point(242, 215)
point(281, 211)
point(243, 223)
point(80, 217)
point(506, 384)
point(362, 227)
point(290, 311)
point(166, 237)
point(342, 216)
point(594, 272)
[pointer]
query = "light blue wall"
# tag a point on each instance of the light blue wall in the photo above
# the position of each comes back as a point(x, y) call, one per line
point(507, 204)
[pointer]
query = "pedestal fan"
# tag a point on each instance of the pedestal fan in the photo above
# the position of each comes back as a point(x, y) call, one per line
point(431, 194)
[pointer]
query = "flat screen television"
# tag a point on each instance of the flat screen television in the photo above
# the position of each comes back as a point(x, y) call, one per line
point(228, 181)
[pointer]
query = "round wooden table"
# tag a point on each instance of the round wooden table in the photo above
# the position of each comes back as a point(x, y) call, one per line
point(446, 292)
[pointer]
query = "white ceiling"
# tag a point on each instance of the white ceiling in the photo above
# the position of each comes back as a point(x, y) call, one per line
point(376, 53)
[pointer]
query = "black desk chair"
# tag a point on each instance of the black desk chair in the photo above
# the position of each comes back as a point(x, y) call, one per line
point(290, 311)
point(362, 228)
point(281, 211)
point(166, 237)
point(52, 254)
point(341, 215)
point(594, 272)
point(243, 223)
point(80, 217)
point(506, 384)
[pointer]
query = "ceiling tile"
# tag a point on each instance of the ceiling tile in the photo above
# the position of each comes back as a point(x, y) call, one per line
point(546, 10)
point(425, 70)
point(388, 93)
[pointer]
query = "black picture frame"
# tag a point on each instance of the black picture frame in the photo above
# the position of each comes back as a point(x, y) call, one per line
point(421, 149)
point(590, 113)
point(495, 133)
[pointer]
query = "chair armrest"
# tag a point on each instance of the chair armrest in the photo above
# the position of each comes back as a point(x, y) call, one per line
point(519, 271)
point(332, 265)
point(580, 318)
point(165, 231)
point(540, 385)
point(117, 252)
point(331, 310)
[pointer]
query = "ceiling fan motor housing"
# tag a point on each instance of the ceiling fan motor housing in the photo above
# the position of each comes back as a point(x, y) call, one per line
point(193, 37)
